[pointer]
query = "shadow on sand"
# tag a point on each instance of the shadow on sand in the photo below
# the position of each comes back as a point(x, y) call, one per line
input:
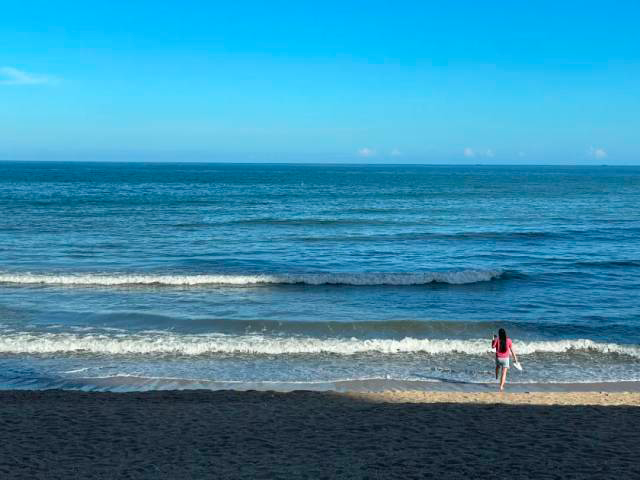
point(202, 434)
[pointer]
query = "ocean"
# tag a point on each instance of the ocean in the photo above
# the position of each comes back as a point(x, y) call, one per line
point(142, 276)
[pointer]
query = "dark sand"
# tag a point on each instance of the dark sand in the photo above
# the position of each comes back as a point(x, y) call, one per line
point(228, 434)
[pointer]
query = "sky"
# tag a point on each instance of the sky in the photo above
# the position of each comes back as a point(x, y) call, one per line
point(300, 81)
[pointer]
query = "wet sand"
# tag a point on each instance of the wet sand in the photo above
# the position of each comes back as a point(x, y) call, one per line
point(434, 384)
point(303, 434)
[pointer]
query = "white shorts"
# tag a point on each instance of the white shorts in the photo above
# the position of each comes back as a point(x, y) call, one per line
point(502, 362)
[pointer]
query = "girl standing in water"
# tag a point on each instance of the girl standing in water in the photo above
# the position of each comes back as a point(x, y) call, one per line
point(504, 349)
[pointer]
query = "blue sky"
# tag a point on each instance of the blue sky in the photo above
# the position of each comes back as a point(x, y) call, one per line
point(360, 81)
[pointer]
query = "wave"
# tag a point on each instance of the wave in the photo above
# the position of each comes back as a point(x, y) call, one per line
point(609, 263)
point(270, 221)
point(359, 279)
point(295, 222)
point(193, 345)
point(432, 236)
point(420, 328)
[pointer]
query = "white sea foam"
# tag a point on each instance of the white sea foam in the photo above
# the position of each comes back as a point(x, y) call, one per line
point(418, 278)
point(77, 370)
point(189, 345)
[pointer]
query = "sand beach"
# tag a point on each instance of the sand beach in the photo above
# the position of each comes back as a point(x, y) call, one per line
point(302, 434)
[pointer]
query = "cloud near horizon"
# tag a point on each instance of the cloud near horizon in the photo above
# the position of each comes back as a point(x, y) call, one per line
point(14, 76)
point(366, 152)
point(470, 152)
point(597, 152)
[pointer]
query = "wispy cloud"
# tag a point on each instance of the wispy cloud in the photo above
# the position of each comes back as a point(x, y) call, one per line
point(471, 152)
point(597, 152)
point(396, 153)
point(14, 76)
point(366, 152)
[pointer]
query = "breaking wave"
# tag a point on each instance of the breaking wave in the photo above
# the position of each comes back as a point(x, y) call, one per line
point(162, 343)
point(360, 279)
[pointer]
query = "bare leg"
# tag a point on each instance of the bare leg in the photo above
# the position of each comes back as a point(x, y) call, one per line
point(504, 378)
point(497, 371)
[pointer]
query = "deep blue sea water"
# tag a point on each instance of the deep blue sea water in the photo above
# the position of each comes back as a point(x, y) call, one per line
point(145, 273)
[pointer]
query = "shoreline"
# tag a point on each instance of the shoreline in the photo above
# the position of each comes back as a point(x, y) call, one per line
point(584, 397)
point(466, 387)
point(374, 385)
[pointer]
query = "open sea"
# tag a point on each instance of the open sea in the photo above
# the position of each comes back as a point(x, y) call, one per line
point(145, 276)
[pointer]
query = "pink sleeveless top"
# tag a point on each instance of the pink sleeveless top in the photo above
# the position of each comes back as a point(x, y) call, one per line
point(496, 344)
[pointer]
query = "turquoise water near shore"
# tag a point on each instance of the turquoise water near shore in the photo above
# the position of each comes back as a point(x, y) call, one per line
point(315, 273)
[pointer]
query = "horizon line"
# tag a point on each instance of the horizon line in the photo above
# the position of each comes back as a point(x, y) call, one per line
point(205, 162)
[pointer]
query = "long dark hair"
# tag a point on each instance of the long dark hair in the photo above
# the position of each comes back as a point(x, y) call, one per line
point(503, 340)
